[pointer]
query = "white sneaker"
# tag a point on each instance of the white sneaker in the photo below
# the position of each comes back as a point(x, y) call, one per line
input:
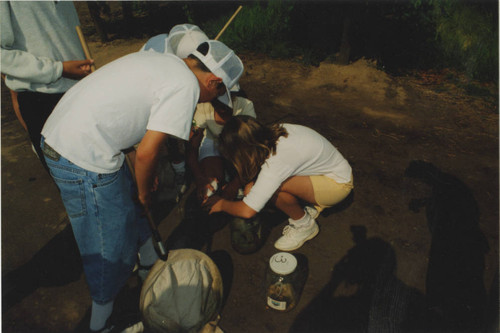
point(313, 212)
point(294, 237)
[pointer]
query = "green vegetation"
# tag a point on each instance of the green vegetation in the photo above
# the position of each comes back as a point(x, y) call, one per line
point(468, 37)
point(260, 27)
point(398, 35)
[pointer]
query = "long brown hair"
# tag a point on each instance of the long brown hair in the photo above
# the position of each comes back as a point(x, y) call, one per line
point(246, 143)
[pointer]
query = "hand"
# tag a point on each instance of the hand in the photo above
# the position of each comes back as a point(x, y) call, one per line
point(145, 200)
point(77, 69)
point(212, 204)
point(156, 184)
point(196, 137)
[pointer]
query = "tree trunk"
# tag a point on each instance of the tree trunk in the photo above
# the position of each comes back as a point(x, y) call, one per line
point(345, 46)
point(98, 22)
point(128, 17)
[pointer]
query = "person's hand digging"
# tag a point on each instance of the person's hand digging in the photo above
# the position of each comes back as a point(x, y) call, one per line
point(212, 204)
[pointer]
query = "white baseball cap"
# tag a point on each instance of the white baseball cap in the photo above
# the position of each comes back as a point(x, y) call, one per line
point(182, 40)
point(157, 43)
point(223, 63)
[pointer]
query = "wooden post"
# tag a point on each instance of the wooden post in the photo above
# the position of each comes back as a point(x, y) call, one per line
point(228, 22)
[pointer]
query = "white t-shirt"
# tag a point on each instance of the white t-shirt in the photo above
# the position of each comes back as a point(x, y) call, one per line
point(37, 36)
point(303, 153)
point(111, 109)
point(204, 116)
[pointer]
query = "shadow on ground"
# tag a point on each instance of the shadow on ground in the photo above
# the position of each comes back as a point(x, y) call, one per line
point(455, 292)
point(364, 293)
point(58, 263)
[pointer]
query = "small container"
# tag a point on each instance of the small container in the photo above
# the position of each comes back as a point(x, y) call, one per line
point(246, 234)
point(284, 282)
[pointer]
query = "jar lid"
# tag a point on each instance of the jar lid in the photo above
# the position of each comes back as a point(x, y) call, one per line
point(283, 263)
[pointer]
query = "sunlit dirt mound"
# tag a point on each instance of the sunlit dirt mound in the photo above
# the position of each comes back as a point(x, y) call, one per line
point(359, 87)
point(359, 78)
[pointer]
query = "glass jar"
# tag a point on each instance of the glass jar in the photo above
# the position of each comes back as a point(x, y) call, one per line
point(246, 234)
point(285, 280)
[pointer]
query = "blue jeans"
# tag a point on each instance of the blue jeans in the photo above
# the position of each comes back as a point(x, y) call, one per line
point(108, 225)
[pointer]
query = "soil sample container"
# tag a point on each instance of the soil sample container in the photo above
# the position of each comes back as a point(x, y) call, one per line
point(284, 281)
point(246, 234)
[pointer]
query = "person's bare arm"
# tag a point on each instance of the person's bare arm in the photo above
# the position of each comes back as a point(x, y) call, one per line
point(235, 208)
point(131, 156)
point(145, 164)
point(192, 151)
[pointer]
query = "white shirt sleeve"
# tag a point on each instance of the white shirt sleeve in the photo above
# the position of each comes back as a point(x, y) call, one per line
point(21, 64)
point(272, 174)
point(172, 112)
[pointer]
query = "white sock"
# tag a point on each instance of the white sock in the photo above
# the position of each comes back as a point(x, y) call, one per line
point(179, 167)
point(100, 313)
point(304, 221)
point(147, 253)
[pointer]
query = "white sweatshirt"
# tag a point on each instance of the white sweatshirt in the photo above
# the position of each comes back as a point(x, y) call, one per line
point(36, 37)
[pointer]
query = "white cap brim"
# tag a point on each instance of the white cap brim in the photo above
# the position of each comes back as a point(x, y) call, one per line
point(226, 99)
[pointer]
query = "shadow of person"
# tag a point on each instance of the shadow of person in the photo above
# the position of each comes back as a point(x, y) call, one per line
point(56, 264)
point(364, 294)
point(224, 263)
point(455, 290)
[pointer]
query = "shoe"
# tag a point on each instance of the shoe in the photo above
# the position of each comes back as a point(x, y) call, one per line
point(313, 211)
point(107, 329)
point(294, 237)
point(83, 326)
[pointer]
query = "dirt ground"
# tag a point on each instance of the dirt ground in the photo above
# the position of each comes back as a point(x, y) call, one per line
point(384, 257)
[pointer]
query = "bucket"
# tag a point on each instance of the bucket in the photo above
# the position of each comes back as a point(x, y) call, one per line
point(246, 234)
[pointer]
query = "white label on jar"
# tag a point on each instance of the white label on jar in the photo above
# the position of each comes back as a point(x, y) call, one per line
point(276, 304)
